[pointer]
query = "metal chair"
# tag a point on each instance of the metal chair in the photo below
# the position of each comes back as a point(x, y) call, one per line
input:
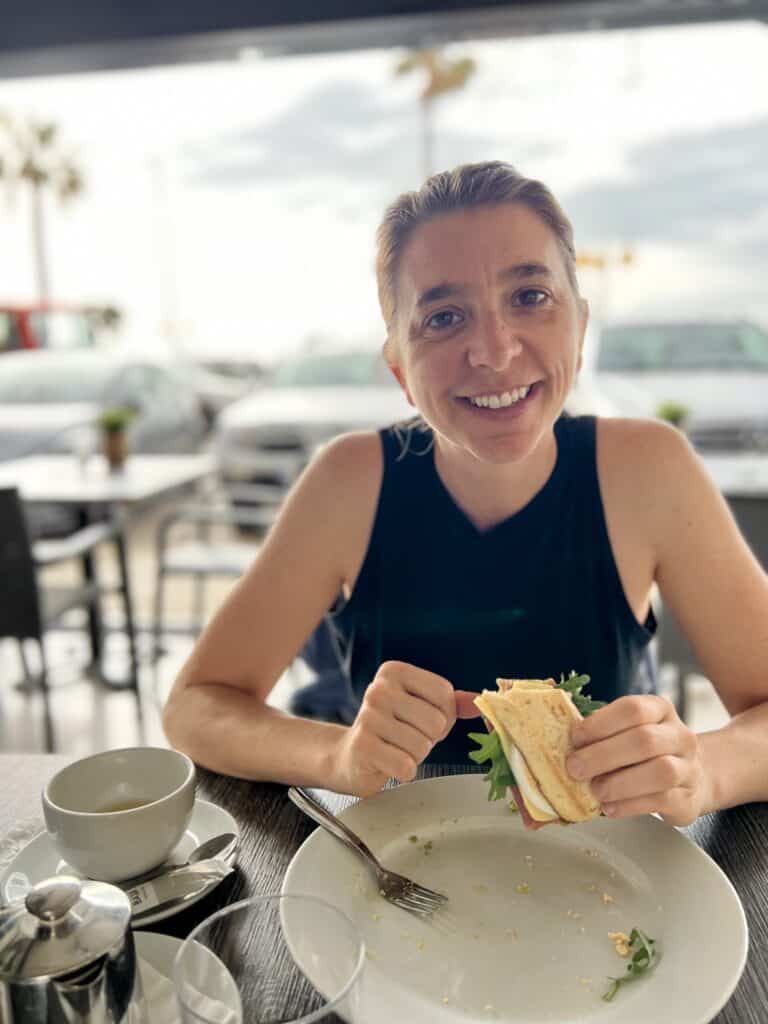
point(202, 557)
point(751, 515)
point(28, 608)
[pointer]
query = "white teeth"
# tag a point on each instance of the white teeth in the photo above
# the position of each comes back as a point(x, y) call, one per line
point(501, 401)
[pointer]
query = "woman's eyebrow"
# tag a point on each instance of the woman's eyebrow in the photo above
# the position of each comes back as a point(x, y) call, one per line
point(522, 270)
point(448, 289)
point(440, 291)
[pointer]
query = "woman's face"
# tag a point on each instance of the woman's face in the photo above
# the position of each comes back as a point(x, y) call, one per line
point(488, 334)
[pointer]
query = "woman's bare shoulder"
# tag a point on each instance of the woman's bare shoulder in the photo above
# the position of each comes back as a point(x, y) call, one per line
point(630, 447)
point(352, 460)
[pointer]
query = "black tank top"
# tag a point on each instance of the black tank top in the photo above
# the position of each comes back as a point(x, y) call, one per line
point(534, 596)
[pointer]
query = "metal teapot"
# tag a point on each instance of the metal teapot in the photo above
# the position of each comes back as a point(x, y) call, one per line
point(67, 956)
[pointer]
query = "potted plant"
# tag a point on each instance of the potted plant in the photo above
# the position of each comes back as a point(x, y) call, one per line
point(114, 423)
point(675, 413)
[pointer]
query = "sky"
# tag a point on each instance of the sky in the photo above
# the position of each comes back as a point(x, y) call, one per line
point(233, 206)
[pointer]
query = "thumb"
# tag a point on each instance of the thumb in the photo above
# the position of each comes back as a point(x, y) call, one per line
point(465, 704)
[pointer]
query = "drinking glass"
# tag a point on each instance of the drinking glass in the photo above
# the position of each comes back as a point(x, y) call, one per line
point(274, 959)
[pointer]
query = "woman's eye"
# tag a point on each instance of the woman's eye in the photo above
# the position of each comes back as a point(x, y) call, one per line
point(443, 320)
point(530, 297)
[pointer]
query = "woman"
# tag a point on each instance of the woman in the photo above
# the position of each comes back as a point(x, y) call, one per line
point(493, 537)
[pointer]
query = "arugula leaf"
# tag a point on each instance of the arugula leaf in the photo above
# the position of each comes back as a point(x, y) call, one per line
point(644, 959)
point(500, 776)
point(574, 685)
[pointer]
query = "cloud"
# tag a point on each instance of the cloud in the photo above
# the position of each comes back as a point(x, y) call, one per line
point(683, 188)
point(345, 132)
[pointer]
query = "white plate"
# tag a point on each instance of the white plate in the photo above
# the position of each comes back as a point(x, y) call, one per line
point(159, 951)
point(40, 859)
point(503, 954)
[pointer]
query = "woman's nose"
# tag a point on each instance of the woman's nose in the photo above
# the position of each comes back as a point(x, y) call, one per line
point(494, 345)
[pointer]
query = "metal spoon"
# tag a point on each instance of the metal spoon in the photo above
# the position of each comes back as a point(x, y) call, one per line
point(221, 846)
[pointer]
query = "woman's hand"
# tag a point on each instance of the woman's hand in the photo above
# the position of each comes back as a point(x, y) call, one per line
point(640, 758)
point(405, 711)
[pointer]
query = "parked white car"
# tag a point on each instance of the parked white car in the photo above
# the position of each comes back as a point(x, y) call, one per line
point(221, 379)
point(718, 371)
point(269, 436)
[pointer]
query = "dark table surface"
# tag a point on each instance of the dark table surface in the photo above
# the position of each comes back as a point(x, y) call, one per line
point(272, 830)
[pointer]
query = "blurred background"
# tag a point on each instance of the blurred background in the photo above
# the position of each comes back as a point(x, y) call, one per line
point(188, 204)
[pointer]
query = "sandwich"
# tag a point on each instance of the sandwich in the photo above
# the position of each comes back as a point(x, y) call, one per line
point(531, 721)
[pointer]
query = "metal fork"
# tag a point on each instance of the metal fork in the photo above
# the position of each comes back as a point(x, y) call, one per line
point(397, 889)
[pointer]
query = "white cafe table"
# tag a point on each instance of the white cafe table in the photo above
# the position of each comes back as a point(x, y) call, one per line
point(88, 486)
point(62, 479)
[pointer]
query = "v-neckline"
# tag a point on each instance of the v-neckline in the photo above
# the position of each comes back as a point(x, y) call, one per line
point(524, 515)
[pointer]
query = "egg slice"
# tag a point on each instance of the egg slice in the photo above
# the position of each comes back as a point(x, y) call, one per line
point(538, 807)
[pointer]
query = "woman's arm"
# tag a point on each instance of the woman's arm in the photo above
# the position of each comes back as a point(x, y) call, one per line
point(676, 525)
point(718, 593)
point(217, 710)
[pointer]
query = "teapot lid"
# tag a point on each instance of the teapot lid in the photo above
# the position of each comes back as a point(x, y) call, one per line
point(63, 923)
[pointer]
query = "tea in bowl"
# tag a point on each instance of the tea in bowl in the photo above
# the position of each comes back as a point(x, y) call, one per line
point(117, 814)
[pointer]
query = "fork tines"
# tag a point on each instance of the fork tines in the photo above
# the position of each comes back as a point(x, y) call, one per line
point(420, 900)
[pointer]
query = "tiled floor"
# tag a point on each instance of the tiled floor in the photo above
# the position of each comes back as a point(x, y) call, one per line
point(87, 715)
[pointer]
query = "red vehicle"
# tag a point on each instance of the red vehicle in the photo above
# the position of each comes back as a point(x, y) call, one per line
point(51, 325)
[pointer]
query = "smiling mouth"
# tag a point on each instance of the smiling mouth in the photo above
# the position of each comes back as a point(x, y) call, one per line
point(501, 399)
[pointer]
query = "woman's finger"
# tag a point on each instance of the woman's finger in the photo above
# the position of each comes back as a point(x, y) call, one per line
point(675, 806)
point(633, 746)
point(418, 682)
point(398, 706)
point(400, 734)
point(372, 754)
point(465, 704)
point(658, 775)
point(621, 715)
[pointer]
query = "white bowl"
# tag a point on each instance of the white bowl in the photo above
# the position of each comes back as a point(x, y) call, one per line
point(109, 844)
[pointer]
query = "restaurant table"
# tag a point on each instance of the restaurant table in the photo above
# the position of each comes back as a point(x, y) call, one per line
point(90, 488)
point(272, 830)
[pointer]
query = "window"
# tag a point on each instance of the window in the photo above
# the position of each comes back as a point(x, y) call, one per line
point(334, 370)
point(656, 348)
point(61, 330)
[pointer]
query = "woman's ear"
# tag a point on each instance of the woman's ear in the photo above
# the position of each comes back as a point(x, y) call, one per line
point(584, 320)
point(389, 350)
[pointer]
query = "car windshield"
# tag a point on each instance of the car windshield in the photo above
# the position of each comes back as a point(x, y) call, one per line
point(656, 348)
point(62, 329)
point(334, 370)
point(60, 383)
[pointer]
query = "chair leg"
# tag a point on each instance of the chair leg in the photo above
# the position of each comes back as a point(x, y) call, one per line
point(28, 680)
point(125, 587)
point(50, 744)
point(95, 621)
point(157, 625)
point(198, 607)
point(681, 696)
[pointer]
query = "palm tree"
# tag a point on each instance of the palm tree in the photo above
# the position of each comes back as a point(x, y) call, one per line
point(443, 75)
point(29, 154)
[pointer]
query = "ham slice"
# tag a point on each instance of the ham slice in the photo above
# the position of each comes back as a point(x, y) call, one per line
point(529, 822)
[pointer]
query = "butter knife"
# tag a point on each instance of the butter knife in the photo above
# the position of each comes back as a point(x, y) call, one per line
point(175, 887)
